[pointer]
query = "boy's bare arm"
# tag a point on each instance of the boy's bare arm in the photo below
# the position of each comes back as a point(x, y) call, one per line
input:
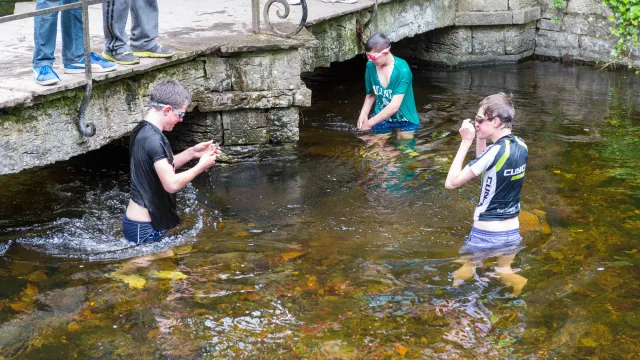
point(458, 176)
point(369, 100)
point(385, 113)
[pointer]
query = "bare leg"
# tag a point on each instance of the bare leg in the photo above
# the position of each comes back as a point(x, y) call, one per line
point(465, 272)
point(507, 276)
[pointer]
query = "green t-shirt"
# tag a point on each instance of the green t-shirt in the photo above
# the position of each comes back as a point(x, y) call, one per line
point(400, 83)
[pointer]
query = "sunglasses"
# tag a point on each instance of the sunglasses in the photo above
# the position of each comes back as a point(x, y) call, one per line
point(373, 57)
point(480, 119)
point(180, 113)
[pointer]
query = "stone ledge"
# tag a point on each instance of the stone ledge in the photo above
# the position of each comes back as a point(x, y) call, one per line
point(516, 17)
point(16, 92)
point(236, 100)
point(484, 18)
point(472, 60)
point(11, 98)
point(524, 16)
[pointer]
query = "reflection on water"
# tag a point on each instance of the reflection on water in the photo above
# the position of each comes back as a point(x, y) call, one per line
point(351, 251)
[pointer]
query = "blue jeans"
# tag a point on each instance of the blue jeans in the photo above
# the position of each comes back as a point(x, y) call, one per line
point(45, 31)
point(386, 127)
point(144, 24)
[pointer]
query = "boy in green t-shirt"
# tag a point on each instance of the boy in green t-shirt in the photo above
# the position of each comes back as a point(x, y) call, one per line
point(389, 86)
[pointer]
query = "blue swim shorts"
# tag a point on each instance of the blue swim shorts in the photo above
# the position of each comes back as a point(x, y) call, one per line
point(386, 127)
point(139, 232)
point(492, 243)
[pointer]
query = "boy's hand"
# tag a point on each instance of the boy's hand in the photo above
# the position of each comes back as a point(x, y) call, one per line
point(365, 125)
point(202, 148)
point(208, 158)
point(361, 121)
point(467, 130)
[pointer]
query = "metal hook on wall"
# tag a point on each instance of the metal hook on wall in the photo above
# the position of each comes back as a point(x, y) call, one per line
point(88, 129)
point(361, 28)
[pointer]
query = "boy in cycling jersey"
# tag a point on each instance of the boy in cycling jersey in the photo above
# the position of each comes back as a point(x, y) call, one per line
point(496, 229)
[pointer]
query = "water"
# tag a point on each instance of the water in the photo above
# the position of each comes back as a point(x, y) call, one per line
point(349, 251)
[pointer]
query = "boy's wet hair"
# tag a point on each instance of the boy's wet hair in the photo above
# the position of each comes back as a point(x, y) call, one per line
point(170, 92)
point(377, 42)
point(499, 105)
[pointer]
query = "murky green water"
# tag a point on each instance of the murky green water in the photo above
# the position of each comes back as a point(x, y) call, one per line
point(348, 252)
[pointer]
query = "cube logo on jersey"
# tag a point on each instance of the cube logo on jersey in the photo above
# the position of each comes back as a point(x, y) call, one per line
point(487, 190)
point(511, 172)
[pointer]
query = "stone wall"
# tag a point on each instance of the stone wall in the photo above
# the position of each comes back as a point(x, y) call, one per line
point(246, 100)
point(580, 32)
point(338, 37)
point(485, 32)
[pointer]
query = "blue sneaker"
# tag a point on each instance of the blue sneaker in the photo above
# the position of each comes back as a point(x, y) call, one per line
point(45, 75)
point(98, 65)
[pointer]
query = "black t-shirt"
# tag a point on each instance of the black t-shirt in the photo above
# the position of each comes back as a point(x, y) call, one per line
point(147, 145)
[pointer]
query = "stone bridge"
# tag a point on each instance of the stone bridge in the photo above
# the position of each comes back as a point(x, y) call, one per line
point(247, 88)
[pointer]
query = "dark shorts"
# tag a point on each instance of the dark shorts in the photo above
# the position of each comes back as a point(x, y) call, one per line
point(386, 127)
point(139, 232)
point(492, 243)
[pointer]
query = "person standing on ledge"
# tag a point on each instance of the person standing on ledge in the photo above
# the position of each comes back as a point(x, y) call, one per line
point(388, 83)
point(144, 31)
point(152, 207)
point(496, 228)
point(45, 30)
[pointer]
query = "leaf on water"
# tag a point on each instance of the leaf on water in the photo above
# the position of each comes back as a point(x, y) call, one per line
point(133, 281)
point(311, 280)
point(37, 276)
point(494, 319)
point(31, 290)
point(290, 256)
point(169, 275)
point(533, 221)
point(73, 327)
point(632, 251)
point(588, 342)
point(556, 255)
point(620, 263)
point(19, 306)
point(241, 233)
point(400, 349)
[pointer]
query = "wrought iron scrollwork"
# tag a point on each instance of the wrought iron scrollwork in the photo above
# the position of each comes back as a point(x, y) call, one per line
point(88, 129)
point(283, 15)
point(361, 28)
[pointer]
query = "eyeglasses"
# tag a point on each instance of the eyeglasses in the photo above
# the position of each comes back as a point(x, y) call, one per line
point(480, 119)
point(373, 57)
point(180, 113)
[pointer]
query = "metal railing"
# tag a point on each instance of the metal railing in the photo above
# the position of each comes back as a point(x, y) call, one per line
point(89, 129)
point(255, 6)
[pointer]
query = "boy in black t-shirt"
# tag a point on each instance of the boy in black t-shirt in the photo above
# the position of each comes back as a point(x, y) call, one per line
point(154, 182)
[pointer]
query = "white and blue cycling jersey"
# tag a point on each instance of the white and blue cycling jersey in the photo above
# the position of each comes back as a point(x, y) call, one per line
point(502, 166)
